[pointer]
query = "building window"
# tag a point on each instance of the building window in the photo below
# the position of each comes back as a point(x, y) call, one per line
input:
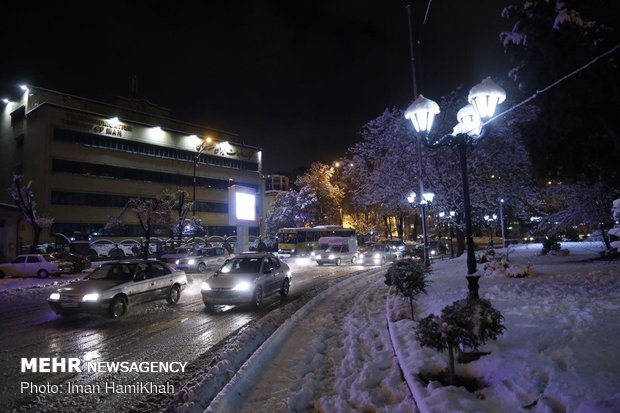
point(116, 172)
point(98, 141)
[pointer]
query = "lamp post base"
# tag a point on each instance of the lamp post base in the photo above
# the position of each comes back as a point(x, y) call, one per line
point(473, 287)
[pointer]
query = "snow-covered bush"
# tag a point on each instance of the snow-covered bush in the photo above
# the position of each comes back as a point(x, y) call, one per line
point(500, 266)
point(464, 323)
point(409, 279)
point(550, 243)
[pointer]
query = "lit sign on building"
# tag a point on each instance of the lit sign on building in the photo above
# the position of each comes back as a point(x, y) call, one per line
point(241, 205)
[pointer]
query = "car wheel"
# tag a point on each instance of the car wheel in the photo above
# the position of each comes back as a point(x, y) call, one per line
point(338, 262)
point(43, 274)
point(257, 297)
point(174, 294)
point(118, 308)
point(202, 267)
point(285, 288)
point(354, 260)
point(92, 254)
point(117, 254)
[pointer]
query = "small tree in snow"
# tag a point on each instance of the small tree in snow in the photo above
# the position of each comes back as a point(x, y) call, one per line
point(409, 278)
point(23, 197)
point(151, 213)
point(467, 323)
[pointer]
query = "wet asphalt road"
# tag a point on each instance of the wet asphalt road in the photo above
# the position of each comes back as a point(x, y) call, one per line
point(152, 331)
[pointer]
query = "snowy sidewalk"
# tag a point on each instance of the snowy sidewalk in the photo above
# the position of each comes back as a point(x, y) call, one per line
point(334, 354)
point(559, 352)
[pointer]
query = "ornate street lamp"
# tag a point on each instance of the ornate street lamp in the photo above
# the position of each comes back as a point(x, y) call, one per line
point(427, 199)
point(501, 221)
point(483, 99)
point(490, 219)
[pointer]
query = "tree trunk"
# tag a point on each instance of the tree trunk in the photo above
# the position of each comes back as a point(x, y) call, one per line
point(451, 363)
point(460, 242)
point(147, 242)
point(36, 234)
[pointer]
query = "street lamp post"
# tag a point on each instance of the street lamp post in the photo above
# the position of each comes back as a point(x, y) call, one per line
point(427, 198)
point(501, 221)
point(490, 219)
point(483, 100)
point(450, 219)
point(199, 150)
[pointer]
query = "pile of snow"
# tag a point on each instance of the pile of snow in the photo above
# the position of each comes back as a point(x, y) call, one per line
point(558, 353)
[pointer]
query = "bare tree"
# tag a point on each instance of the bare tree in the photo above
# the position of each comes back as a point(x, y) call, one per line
point(151, 213)
point(23, 197)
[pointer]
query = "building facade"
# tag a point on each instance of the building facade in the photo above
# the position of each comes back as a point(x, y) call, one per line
point(86, 159)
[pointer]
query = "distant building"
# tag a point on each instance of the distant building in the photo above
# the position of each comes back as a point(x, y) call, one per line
point(86, 159)
point(274, 185)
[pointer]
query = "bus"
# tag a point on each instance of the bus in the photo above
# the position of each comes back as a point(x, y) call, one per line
point(300, 242)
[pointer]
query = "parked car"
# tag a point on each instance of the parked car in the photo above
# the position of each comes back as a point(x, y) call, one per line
point(80, 262)
point(335, 254)
point(202, 261)
point(35, 265)
point(115, 285)
point(247, 279)
point(177, 253)
point(378, 254)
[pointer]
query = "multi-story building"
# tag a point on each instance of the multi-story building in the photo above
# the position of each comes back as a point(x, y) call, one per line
point(86, 159)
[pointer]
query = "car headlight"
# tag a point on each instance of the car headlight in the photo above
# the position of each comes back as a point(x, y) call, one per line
point(377, 256)
point(91, 297)
point(55, 296)
point(312, 254)
point(433, 252)
point(331, 256)
point(243, 286)
point(205, 286)
point(177, 262)
point(318, 256)
point(191, 262)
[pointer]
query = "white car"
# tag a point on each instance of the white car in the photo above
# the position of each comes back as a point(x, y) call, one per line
point(247, 279)
point(35, 265)
point(176, 254)
point(115, 285)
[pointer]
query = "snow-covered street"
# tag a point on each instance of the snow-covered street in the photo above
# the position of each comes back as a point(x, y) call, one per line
point(558, 354)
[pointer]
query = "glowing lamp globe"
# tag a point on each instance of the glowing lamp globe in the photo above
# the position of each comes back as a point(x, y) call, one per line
point(485, 97)
point(421, 113)
point(469, 121)
point(411, 198)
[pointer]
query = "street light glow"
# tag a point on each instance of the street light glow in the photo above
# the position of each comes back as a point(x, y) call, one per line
point(421, 113)
point(485, 97)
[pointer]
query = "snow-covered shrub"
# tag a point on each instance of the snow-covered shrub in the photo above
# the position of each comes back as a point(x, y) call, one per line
point(500, 266)
point(464, 323)
point(409, 279)
point(550, 243)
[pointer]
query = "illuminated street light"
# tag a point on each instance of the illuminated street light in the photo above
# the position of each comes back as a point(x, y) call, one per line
point(483, 99)
point(427, 198)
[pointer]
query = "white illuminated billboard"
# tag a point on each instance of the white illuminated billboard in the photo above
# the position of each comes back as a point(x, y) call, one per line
point(245, 206)
point(241, 205)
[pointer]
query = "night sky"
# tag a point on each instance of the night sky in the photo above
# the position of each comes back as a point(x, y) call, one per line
point(297, 79)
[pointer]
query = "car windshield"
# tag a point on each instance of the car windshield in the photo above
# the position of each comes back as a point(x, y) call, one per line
point(118, 272)
point(241, 265)
point(334, 248)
